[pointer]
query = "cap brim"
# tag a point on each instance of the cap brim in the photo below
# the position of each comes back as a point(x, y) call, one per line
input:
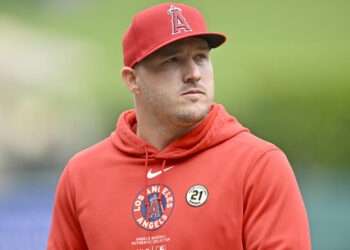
point(214, 40)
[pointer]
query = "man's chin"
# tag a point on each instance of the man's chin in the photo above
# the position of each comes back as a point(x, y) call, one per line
point(192, 115)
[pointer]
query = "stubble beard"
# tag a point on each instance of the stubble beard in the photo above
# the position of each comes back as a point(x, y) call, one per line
point(165, 111)
point(189, 117)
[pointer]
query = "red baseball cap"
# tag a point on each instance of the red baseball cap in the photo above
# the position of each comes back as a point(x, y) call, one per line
point(160, 25)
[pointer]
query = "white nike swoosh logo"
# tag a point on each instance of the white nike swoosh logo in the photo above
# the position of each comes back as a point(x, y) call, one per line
point(151, 175)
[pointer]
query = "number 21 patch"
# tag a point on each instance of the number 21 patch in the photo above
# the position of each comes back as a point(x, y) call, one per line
point(197, 195)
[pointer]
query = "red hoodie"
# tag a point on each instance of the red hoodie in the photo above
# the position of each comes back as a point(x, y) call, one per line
point(216, 187)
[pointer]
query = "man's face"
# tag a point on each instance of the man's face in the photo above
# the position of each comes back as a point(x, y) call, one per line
point(176, 83)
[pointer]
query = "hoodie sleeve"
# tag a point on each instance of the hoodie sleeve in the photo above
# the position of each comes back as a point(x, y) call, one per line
point(274, 212)
point(65, 232)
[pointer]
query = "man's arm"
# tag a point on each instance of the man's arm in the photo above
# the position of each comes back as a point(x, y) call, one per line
point(274, 212)
point(65, 232)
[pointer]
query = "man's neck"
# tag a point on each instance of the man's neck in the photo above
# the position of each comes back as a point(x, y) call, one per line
point(160, 135)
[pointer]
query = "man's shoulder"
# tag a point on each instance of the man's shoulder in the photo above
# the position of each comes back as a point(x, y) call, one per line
point(93, 153)
point(252, 150)
point(251, 142)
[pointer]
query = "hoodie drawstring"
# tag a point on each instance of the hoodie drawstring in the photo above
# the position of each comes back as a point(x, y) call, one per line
point(161, 187)
point(146, 183)
point(159, 198)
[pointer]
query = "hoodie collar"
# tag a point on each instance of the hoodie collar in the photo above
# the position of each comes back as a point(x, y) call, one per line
point(217, 127)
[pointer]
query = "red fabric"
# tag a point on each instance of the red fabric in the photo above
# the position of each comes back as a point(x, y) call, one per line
point(253, 197)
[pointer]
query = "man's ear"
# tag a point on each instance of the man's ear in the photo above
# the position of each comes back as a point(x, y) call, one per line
point(129, 76)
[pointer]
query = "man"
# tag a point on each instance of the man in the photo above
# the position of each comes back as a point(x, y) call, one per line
point(178, 172)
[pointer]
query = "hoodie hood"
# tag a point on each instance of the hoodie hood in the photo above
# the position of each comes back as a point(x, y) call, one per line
point(217, 127)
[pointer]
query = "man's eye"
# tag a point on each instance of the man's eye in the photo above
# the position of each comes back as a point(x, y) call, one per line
point(201, 56)
point(172, 59)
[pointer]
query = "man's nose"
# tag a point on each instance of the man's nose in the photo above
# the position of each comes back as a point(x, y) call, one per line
point(192, 72)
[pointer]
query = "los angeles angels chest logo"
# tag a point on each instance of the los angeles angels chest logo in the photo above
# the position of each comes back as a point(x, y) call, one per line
point(178, 21)
point(153, 210)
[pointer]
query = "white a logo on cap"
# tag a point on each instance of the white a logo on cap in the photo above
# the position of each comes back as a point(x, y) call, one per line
point(178, 21)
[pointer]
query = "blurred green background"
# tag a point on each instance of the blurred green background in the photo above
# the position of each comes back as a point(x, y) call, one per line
point(283, 73)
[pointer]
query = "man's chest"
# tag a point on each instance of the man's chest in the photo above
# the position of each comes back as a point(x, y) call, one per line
point(190, 205)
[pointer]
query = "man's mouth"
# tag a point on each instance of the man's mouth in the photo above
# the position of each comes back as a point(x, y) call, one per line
point(193, 92)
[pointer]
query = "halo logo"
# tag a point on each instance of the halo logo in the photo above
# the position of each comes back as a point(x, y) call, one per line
point(153, 216)
point(178, 21)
